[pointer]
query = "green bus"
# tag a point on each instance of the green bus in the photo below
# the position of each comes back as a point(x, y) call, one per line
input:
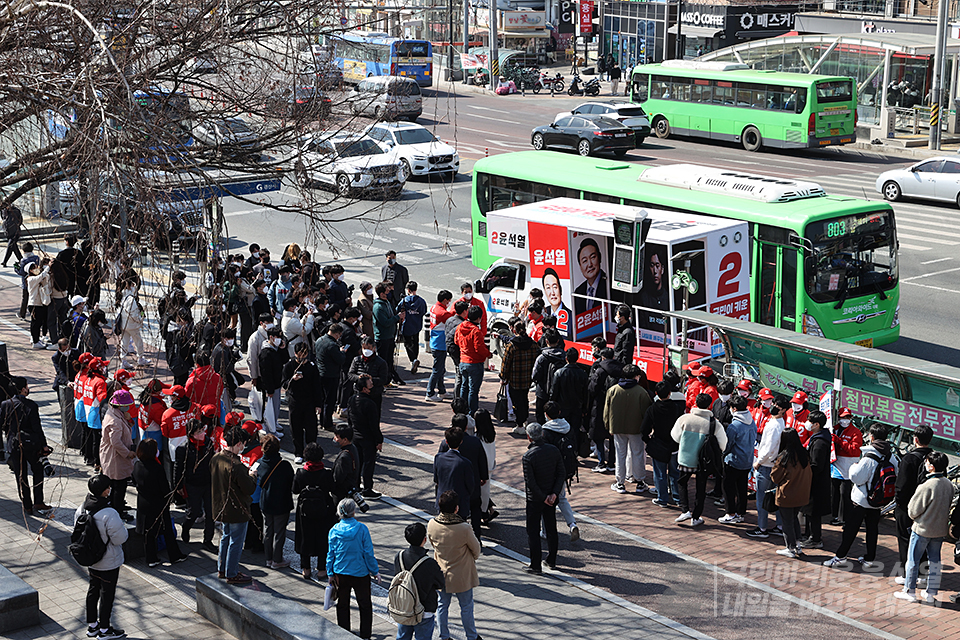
point(819, 264)
point(755, 108)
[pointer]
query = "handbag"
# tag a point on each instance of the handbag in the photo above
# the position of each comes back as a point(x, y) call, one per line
point(255, 400)
point(329, 596)
point(501, 411)
point(770, 501)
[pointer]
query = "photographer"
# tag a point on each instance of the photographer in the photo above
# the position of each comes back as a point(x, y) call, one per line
point(25, 445)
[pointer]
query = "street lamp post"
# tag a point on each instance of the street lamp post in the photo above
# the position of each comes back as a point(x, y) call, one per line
point(939, 66)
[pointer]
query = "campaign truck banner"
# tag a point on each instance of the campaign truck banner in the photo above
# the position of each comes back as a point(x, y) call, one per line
point(508, 238)
point(550, 262)
point(590, 283)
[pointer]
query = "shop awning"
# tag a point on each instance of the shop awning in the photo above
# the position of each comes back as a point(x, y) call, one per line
point(698, 32)
point(533, 33)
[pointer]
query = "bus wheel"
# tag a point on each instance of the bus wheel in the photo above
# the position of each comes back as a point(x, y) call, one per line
point(891, 191)
point(661, 127)
point(750, 139)
point(538, 142)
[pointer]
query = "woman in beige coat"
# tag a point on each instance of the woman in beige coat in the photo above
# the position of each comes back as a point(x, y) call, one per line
point(456, 550)
point(116, 447)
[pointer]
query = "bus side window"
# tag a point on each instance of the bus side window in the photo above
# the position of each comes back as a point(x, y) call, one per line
point(660, 88)
point(483, 193)
point(641, 87)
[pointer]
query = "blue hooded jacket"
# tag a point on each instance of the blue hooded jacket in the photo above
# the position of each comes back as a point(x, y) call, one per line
point(351, 550)
point(416, 308)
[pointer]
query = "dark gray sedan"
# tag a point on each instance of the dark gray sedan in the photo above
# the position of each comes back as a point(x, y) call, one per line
point(586, 136)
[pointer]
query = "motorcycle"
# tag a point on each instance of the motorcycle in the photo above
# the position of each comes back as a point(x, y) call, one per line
point(575, 86)
point(481, 78)
point(544, 81)
point(592, 87)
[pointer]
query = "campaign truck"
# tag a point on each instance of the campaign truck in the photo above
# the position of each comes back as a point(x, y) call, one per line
point(588, 257)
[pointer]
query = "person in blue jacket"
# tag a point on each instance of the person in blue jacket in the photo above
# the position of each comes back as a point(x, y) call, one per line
point(350, 565)
point(415, 308)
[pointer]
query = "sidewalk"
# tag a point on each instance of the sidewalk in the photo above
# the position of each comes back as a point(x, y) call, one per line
point(159, 603)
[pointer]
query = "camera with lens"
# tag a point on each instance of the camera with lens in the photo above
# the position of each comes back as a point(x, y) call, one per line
point(48, 469)
point(358, 498)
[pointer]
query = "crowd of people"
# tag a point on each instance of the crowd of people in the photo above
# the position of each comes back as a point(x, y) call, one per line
point(304, 340)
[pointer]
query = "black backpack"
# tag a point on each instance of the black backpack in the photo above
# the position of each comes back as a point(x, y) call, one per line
point(711, 458)
point(553, 364)
point(314, 504)
point(86, 544)
point(568, 452)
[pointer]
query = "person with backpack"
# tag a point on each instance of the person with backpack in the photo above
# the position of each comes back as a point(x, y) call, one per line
point(874, 480)
point(694, 433)
point(545, 367)
point(737, 461)
point(793, 475)
point(456, 550)
point(929, 509)
point(625, 406)
point(604, 373)
point(313, 485)
point(413, 591)
point(351, 564)
point(911, 473)
point(556, 431)
point(105, 550)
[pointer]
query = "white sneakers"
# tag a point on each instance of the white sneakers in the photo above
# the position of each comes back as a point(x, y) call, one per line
point(434, 398)
point(686, 515)
point(921, 582)
point(696, 522)
point(736, 518)
point(835, 562)
point(619, 488)
point(788, 553)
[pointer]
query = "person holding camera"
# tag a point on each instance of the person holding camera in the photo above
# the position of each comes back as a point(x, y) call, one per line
point(26, 446)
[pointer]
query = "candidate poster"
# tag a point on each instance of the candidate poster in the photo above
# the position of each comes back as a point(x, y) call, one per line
point(590, 283)
point(550, 270)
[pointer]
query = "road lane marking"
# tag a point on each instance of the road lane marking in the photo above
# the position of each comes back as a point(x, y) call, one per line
point(489, 133)
point(925, 238)
point(476, 115)
point(937, 260)
point(930, 286)
point(913, 247)
point(927, 275)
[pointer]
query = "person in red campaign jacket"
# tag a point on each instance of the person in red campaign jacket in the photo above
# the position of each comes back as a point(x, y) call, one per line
point(708, 383)
point(175, 419)
point(466, 291)
point(761, 412)
point(745, 388)
point(249, 455)
point(469, 338)
point(79, 411)
point(150, 411)
point(847, 440)
point(233, 419)
point(122, 376)
point(204, 386)
point(797, 415)
point(693, 385)
point(94, 395)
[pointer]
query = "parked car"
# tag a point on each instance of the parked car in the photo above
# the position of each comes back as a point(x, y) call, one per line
point(931, 179)
point(626, 113)
point(420, 152)
point(349, 164)
point(587, 136)
point(387, 98)
point(231, 137)
point(326, 75)
point(303, 101)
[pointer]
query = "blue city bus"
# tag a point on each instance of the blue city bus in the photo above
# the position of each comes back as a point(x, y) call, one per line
point(361, 54)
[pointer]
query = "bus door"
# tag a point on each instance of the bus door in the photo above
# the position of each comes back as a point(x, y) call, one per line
point(775, 263)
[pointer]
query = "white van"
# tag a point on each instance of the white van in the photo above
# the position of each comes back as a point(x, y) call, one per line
point(387, 98)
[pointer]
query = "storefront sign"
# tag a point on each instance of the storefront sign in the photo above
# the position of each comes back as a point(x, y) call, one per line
point(520, 20)
point(568, 16)
point(871, 27)
point(900, 412)
point(586, 16)
point(750, 21)
point(472, 61)
point(702, 19)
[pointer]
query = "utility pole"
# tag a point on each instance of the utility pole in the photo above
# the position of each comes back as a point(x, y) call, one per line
point(939, 66)
point(494, 62)
point(450, 41)
point(466, 32)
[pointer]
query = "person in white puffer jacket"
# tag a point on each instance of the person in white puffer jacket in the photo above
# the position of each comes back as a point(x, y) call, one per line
point(131, 321)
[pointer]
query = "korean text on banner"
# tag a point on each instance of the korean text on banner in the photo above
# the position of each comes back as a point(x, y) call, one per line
point(508, 238)
point(586, 16)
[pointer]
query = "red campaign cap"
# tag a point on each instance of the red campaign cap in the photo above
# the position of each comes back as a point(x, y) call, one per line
point(123, 374)
point(99, 363)
point(705, 372)
point(765, 394)
point(799, 397)
point(250, 427)
point(234, 418)
point(745, 385)
point(693, 366)
point(85, 358)
point(208, 410)
point(175, 390)
point(845, 412)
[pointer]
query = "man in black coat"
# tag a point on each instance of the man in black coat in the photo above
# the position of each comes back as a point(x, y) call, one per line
point(605, 373)
point(625, 344)
point(224, 361)
point(819, 446)
point(346, 466)
point(472, 449)
point(396, 274)
point(428, 576)
point(330, 355)
point(364, 416)
point(301, 380)
point(273, 355)
point(26, 444)
point(369, 363)
point(910, 474)
point(453, 472)
point(570, 392)
point(543, 476)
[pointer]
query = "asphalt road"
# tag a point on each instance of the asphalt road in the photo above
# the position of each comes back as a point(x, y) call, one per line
point(429, 225)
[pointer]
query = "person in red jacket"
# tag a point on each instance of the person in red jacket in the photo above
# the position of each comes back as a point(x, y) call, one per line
point(847, 440)
point(150, 411)
point(233, 419)
point(123, 377)
point(174, 424)
point(796, 417)
point(744, 389)
point(708, 383)
point(761, 411)
point(205, 386)
point(693, 385)
point(466, 293)
point(473, 353)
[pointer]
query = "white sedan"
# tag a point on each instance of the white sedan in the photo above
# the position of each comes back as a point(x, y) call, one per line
point(420, 152)
point(348, 163)
point(932, 179)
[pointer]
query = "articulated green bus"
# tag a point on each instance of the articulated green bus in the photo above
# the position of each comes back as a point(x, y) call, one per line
point(819, 264)
point(756, 108)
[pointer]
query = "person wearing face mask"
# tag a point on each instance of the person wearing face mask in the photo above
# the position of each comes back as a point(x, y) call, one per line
point(708, 382)
point(92, 339)
point(385, 321)
point(63, 364)
point(131, 319)
point(737, 460)
point(78, 319)
point(266, 269)
point(256, 343)
point(337, 289)
point(350, 338)
point(224, 359)
point(723, 406)
point(301, 380)
point(182, 344)
point(911, 474)
point(296, 328)
point(796, 416)
point(767, 452)
point(191, 471)
point(466, 293)
point(273, 355)
point(819, 446)
point(693, 385)
point(365, 304)
point(204, 386)
point(371, 364)
point(761, 411)
point(847, 441)
point(396, 274)
point(744, 389)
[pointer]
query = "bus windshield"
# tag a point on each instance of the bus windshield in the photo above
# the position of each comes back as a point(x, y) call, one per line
point(852, 256)
point(411, 48)
point(834, 91)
